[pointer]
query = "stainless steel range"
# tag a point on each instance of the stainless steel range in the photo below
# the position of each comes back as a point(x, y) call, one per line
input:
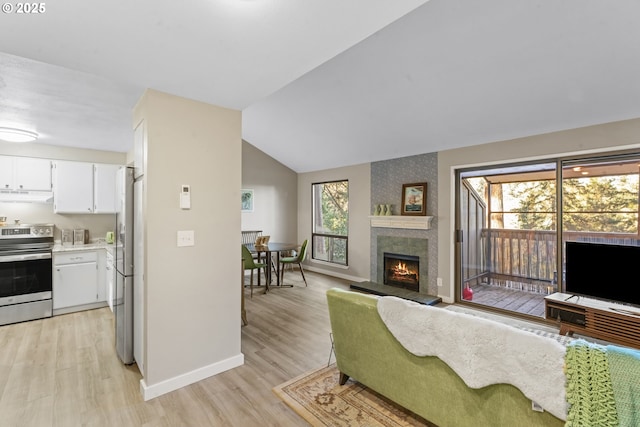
point(25, 272)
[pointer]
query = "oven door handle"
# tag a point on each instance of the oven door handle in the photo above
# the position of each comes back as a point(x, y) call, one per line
point(25, 257)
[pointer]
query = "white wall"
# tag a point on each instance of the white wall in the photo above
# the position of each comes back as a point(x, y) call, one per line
point(359, 177)
point(592, 139)
point(29, 213)
point(192, 298)
point(275, 195)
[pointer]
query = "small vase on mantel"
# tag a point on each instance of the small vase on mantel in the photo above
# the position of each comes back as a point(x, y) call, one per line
point(383, 210)
point(387, 209)
point(376, 210)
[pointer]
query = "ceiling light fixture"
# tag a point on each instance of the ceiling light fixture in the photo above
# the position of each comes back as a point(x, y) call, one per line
point(17, 135)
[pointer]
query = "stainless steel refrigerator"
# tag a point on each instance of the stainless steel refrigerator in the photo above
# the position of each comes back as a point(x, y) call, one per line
point(123, 260)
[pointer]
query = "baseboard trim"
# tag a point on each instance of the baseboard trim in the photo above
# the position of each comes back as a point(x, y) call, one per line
point(334, 274)
point(163, 387)
point(67, 310)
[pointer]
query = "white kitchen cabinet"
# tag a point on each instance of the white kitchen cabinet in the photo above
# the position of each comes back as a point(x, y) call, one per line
point(6, 172)
point(104, 188)
point(72, 187)
point(80, 187)
point(110, 279)
point(32, 174)
point(102, 283)
point(25, 174)
point(75, 279)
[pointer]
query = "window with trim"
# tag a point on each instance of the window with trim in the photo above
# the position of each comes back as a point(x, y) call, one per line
point(330, 211)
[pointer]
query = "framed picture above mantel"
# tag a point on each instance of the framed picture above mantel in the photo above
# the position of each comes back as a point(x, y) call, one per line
point(414, 199)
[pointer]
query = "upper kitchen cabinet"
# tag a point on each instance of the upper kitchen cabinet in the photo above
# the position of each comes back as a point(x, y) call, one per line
point(6, 172)
point(25, 174)
point(104, 188)
point(80, 187)
point(72, 187)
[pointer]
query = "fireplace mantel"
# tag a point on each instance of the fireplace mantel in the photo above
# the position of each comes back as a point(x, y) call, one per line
point(399, 221)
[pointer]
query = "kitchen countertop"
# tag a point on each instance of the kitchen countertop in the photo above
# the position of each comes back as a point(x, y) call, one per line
point(58, 247)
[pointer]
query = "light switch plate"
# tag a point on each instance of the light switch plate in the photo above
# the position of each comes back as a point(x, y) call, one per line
point(186, 238)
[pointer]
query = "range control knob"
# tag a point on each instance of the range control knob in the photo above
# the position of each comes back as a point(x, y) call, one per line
point(42, 231)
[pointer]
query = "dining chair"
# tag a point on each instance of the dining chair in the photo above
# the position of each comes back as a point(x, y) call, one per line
point(250, 237)
point(251, 264)
point(298, 259)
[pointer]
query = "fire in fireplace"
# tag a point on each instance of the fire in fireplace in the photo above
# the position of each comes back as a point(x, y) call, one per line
point(402, 271)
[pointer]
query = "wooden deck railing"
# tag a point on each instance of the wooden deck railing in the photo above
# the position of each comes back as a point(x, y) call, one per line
point(527, 260)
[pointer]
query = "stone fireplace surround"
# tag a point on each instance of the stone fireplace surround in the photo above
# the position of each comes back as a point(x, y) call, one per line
point(414, 246)
point(387, 178)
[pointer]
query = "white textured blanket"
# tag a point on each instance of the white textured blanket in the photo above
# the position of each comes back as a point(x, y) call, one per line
point(482, 352)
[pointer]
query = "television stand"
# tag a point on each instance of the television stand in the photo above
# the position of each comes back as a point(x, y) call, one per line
point(615, 323)
point(625, 311)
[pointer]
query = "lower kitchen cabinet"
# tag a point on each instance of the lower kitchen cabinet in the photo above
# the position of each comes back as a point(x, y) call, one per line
point(77, 281)
point(110, 279)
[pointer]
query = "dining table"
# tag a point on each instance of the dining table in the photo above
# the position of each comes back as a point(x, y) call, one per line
point(268, 250)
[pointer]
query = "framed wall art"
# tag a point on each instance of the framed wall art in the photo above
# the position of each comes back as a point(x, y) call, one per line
point(414, 199)
point(247, 200)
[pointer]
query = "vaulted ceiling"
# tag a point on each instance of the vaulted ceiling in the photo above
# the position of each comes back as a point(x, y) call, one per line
point(325, 83)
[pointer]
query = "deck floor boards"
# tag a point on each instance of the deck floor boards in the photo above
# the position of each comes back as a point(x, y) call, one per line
point(519, 301)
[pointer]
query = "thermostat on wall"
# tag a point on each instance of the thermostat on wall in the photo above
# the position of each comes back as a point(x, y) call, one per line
point(185, 197)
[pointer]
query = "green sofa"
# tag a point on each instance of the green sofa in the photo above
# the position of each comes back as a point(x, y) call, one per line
point(367, 352)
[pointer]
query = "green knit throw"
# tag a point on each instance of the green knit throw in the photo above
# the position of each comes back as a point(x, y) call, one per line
point(624, 366)
point(589, 389)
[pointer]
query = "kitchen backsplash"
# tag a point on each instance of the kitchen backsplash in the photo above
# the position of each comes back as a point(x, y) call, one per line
point(34, 213)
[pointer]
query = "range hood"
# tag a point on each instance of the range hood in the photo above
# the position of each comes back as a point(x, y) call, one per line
point(26, 196)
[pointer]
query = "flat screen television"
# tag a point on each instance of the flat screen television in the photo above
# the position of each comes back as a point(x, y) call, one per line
point(604, 271)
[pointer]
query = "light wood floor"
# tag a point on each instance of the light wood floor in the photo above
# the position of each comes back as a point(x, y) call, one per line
point(63, 371)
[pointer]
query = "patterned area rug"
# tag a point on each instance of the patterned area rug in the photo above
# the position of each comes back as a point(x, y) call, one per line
point(318, 398)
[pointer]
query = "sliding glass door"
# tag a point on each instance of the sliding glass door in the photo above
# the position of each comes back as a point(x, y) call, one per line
point(509, 244)
point(507, 236)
